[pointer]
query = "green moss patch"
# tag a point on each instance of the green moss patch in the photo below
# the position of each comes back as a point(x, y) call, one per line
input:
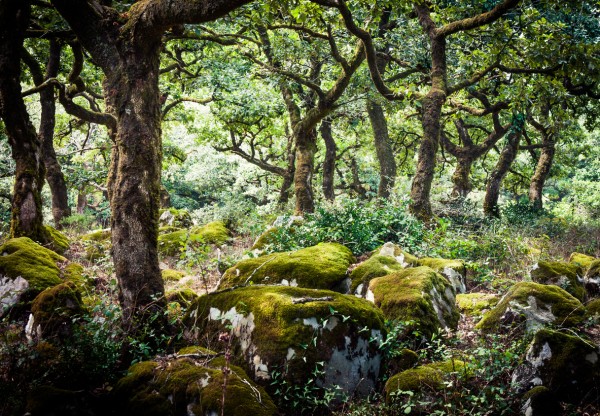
point(170, 244)
point(98, 235)
point(291, 329)
point(425, 377)
point(474, 304)
point(417, 294)
point(581, 260)
point(185, 386)
point(170, 275)
point(36, 264)
point(561, 274)
point(531, 306)
point(385, 260)
point(454, 270)
point(58, 242)
point(54, 309)
point(172, 217)
point(323, 266)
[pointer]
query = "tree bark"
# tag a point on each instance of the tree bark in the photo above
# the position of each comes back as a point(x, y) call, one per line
point(26, 213)
point(507, 157)
point(54, 174)
point(383, 149)
point(306, 147)
point(329, 162)
point(461, 177)
point(544, 164)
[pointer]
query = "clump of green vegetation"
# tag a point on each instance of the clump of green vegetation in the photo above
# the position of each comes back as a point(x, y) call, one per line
point(171, 244)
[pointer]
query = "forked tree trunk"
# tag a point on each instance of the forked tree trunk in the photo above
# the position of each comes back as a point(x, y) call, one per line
point(54, 174)
point(329, 162)
point(306, 147)
point(461, 177)
point(26, 213)
point(383, 149)
point(507, 157)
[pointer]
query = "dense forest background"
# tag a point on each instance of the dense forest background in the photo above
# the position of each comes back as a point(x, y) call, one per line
point(158, 145)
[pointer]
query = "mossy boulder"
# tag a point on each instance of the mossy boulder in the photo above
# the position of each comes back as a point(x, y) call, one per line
point(168, 229)
point(170, 275)
point(475, 304)
point(581, 260)
point(185, 386)
point(184, 296)
point(417, 294)
point(592, 309)
point(265, 239)
point(591, 280)
point(540, 401)
point(454, 270)
point(34, 263)
point(428, 377)
point(172, 217)
point(281, 223)
point(531, 306)
point(53, 311)
point(567, 365)
point(385, 260)
point(57, 241)
point(323, 266)
point(170, 244)
point(74, 272)
point(566, 275)
point(296, 332)
point(97, 244)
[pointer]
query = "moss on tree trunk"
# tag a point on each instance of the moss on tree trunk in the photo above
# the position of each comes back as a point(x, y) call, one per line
point(383, 149)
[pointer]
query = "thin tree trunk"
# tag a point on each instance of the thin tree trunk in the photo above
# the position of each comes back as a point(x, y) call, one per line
point(383, 149)
point(329, 162)
point(81, 201)
point(306, 147)
point(507, 157)
point(26, 214)
point(54, 175)
point(542, 171)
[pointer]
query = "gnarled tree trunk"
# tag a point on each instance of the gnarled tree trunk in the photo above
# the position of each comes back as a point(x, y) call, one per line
point(461, 177)
point(542, 171)
point(26, 214)
point(383, 149)
point(306, 147)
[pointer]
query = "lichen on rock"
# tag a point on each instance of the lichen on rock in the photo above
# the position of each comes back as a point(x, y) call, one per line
point(565, 275)
point(532, 306)
point(453, 270)
point(417, 294)
point(292, 329)
point(323, 266)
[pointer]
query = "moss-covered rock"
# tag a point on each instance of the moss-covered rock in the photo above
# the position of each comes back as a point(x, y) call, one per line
point(97, 235)
point(425, 377)
point(265, 239)
point(281, 223)
point(454, 270)
point(74, 272)
point(592, 309)
point(385, 260)
point(53, 311)
point(168, 229)
point(170, 275)
point(416, 294)
point(58, 242)
point(184, 296)
point(566, 275)
point(295, 331)
point(591, 280)
point(531, 306)
point(540, 401)
point(186, 386)
point(34, 263)
point(567, 365)
point(172, 217)
point(475, 304)
point(581, 260)
point(170, 244)
point(323, 266)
